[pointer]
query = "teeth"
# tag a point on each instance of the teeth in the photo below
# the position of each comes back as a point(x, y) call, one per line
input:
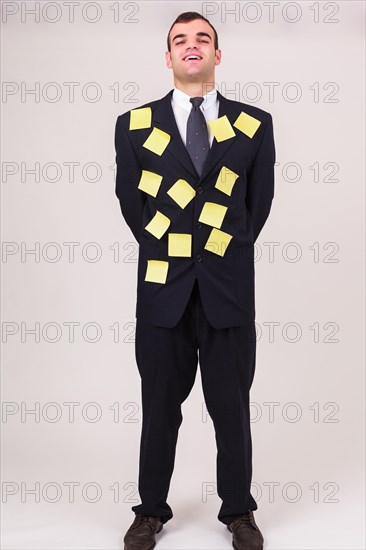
point(192, 57)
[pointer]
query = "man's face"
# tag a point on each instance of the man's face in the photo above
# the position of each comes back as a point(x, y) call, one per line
point(195, 38)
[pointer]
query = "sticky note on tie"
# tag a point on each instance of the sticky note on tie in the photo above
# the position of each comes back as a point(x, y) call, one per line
point(247, 124)
point(157, 141)
point(218, 242)
point(226, 180)
point(182, 193)
point(221, 128)
point(157, 271)
point(150, 182)
point(158, 225)
point(213, 214)
point(140, 118)
point(179, 244)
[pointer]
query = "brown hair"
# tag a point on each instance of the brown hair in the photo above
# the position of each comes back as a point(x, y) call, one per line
point(188, 16)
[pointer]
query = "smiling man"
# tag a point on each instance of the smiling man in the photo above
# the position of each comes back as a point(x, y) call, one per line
point(195, 182)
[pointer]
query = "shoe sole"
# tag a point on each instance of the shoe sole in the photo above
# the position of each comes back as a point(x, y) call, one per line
point(235, 547)
point(154, 544)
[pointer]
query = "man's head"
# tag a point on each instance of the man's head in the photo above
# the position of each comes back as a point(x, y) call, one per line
point(193, 49)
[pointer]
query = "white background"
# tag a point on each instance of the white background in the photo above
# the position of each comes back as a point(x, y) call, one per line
point(307, 395)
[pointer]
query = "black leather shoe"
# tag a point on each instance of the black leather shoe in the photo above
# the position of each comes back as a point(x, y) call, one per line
point(141, 533)
point(246, 533)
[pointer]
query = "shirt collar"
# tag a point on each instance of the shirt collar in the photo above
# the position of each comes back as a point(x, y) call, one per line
point(182, 99)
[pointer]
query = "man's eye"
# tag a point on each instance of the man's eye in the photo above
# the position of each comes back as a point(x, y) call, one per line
point(181, 42)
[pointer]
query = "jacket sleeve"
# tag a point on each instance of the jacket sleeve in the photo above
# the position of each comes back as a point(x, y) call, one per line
point(128, 173)
point(260, 188)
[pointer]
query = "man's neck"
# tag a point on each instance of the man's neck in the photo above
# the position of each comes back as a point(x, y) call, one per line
point(194, 89)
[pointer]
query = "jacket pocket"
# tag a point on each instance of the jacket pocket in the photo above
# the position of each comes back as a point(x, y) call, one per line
point(244, 273)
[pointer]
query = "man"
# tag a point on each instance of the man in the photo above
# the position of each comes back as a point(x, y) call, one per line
point(195, 181)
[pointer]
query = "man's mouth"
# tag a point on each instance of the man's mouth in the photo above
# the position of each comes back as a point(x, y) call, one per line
point(190, 58)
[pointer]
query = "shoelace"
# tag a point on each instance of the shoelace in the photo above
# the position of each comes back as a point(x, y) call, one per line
point(148, 520)
point(247, 519)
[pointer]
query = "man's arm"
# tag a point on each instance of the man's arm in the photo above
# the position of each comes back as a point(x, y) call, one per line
point(131, 199)
point(260, 189)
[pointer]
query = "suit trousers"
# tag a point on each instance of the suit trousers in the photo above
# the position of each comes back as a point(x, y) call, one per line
point(167, 360)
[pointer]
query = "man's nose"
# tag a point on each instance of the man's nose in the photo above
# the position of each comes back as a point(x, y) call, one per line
point(191, 45)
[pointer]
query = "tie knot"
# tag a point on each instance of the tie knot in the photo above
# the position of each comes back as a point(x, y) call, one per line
point(196, 101)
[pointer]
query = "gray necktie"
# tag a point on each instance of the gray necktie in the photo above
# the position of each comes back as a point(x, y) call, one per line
point(197, 135)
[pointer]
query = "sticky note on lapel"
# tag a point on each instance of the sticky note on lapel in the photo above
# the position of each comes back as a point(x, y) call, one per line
point(247, 124)
point(221, 128)
point(157, 141)
point(140, 118)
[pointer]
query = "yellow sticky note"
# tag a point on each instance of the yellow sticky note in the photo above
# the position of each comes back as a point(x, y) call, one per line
point(218, 242)
point(140, 118)
point(179, 244)
point(213, 214)
point(158, 225)
point(221, 128)
point(157, 271)
point(157, 141)
point(150, 182)
point(226, 180)
point(182, 193)
point(247, 124)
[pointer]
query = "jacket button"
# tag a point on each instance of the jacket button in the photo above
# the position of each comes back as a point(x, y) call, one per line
point(199, 258)
point(199, 225)
point(199, 190)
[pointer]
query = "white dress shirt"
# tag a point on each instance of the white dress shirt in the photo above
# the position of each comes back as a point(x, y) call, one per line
point(182, 107)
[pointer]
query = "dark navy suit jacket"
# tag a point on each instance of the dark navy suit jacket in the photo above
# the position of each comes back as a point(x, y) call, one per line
point(226, 282)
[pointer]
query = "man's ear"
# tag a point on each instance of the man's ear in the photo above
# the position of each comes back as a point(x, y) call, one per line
point(218, 57)
point(168, 59)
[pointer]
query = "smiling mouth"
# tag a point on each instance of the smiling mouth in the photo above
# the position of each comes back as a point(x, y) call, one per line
point(192, 58)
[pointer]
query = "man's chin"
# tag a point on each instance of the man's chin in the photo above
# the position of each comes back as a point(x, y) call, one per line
point(194, 76)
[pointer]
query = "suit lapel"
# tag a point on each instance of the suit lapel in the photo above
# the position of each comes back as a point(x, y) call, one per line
point(219, 148)
point(164, 119)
